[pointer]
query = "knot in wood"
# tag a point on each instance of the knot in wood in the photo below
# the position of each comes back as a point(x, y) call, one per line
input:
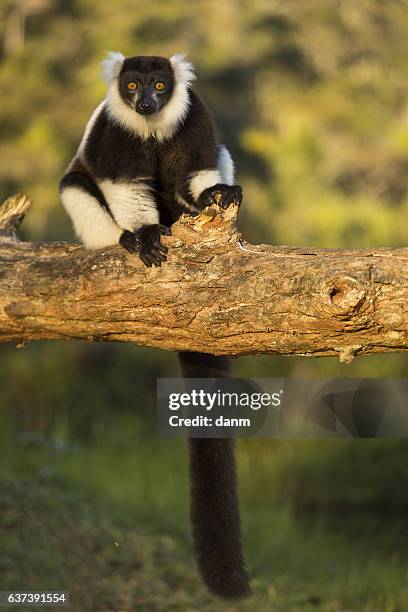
point(342, 295)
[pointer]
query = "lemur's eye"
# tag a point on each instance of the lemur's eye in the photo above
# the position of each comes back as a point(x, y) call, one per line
point(132, 86)
point(160, 86)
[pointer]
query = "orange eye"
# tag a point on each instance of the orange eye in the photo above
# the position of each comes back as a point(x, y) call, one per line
point(160, 86)
point(132, 86)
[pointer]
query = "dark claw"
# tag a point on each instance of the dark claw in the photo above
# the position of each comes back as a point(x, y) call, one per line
point(221, 194)
point(233, 195)
point(157, 255)
point(162, 248)
point(146, 260)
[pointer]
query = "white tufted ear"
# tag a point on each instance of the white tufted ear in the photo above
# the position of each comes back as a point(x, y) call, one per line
point(111, 66)
point(183, 69)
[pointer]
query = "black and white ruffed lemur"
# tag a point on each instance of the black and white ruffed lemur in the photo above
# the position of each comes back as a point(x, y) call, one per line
point(148, 154)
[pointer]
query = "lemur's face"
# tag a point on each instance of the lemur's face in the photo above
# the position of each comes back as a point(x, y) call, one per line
point(146, 83)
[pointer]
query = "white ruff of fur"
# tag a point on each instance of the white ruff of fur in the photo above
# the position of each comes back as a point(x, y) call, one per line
point(203, 179)
point(92, 224)
point(132, 203)
point(163, 124)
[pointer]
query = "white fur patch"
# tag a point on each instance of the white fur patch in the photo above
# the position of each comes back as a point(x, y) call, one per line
point(201, 180)
point(111, 66)
point(226, 166)
point(92, 224)
point(88, 128)
point(163, 124)
point(132, 203)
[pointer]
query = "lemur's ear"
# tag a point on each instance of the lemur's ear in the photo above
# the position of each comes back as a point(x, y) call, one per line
point(111, 66)
point(183, 70)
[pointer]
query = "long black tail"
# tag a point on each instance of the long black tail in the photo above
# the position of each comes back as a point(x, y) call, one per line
point(214, 498)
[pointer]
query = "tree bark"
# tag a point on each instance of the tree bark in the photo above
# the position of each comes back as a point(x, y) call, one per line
point(215, 294)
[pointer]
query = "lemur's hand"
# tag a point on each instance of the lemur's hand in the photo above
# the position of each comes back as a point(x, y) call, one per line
point(152, 251)
point(146, 241)
point(129, 241)
point(221, 194)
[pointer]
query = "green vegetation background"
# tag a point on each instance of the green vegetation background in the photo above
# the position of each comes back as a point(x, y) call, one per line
point(311, 99)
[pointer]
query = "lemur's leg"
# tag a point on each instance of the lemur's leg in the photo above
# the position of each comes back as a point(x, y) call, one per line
point(223, 191)
point(212, 186)
point(134, 207)
point(90, 214)
point(114, 212)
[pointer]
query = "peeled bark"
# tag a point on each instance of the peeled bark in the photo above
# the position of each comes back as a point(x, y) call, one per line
point(215, 294)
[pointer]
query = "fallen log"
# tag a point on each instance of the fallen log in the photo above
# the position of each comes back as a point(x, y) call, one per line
point(216, 293)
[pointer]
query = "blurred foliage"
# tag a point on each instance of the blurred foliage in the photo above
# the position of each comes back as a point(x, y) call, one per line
point(107, 522)
point(311, 99)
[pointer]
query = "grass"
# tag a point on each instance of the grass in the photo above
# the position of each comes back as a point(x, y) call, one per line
point(109, 523)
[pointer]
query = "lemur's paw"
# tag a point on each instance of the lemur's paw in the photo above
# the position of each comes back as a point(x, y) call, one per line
point(152, 251)
point(221, 194)
point(129, 241)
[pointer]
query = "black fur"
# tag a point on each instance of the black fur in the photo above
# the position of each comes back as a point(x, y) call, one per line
point(214, 497)
point(114, 154)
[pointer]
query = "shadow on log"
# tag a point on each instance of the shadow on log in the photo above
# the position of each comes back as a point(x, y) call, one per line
point(215, 294)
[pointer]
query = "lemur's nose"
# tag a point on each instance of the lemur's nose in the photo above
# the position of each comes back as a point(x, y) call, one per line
point(145, 107)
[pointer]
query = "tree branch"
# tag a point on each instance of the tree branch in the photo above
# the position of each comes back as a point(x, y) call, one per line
point(216, 294)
